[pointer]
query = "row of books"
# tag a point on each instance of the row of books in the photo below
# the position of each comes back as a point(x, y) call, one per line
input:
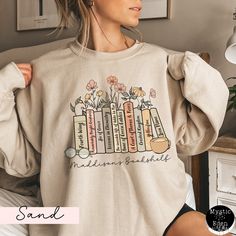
point(117, 130)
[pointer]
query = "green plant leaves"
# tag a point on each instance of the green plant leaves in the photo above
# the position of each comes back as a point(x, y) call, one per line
point(72, 108)
point(232, 89)
point(232, 97)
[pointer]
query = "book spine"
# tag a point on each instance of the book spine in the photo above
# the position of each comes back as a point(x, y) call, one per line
point(157, 122)
point(139, 129)
point(91, 131)
point(80, 132)
point(99, 132)
point(130, 126)
point(148, 135)
point(106, 115)
point(115, 128)
point(122, 128)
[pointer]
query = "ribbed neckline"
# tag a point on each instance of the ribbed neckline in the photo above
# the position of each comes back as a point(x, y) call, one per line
point(76, 47)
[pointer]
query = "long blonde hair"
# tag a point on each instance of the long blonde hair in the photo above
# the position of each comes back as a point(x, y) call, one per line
point(76, 11)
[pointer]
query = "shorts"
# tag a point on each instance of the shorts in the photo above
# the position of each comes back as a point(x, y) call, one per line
point(183, 210)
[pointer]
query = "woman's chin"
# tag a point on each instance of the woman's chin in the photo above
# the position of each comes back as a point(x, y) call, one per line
point(133, 23)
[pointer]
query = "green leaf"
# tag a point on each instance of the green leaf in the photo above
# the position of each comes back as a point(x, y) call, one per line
point(233, 99)
point(77, 100)
point(72, 107)
point(133, 97)
point(232, 89)
point(90, 104)
point(99, 103)
point(230, 106)
point(125, 94)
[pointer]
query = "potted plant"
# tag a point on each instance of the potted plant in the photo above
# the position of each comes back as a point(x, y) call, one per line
point(232, 97)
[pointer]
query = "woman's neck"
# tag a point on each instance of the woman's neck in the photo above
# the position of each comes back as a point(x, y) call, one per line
point(108, 37)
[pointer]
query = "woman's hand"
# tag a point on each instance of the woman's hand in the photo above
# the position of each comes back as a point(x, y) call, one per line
point(26, 70)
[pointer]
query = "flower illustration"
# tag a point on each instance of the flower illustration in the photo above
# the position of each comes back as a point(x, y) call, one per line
point(87, 96)
point(91, 85)
point(153, 93)
point(100, 93)
point(138, 91)
point(112, 80)
point(103, 99)
point(120, 88)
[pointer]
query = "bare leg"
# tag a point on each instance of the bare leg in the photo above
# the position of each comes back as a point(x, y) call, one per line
point(192, 223)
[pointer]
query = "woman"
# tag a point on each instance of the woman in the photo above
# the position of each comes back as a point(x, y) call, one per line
point(103, 120)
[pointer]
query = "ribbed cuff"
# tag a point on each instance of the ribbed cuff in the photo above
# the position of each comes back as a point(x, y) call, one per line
point(11, 78)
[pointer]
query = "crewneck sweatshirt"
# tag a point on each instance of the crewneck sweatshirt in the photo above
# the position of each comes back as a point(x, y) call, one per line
point(104, 129)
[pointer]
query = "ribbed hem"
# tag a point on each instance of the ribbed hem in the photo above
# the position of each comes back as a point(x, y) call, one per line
point(76, 47)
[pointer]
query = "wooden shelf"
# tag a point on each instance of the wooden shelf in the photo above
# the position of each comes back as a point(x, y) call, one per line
point(224, 144)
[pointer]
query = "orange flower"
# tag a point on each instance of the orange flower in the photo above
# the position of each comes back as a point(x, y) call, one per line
point(112, 80)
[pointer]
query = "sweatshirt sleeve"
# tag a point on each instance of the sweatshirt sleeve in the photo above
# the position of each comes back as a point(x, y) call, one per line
point(17, 155)
point(199, 99)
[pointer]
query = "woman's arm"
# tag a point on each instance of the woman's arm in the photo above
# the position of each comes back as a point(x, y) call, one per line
point(199, 98)
point(17, 155)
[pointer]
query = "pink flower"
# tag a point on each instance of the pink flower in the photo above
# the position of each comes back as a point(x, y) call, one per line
point(91, 85)
point(120, 88)
point(153, 93)
point(112, 80)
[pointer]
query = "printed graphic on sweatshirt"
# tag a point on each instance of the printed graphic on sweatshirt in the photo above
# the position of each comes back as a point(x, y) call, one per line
point(119, 120)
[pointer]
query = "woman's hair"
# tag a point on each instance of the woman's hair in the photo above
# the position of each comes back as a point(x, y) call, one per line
point(71, 11)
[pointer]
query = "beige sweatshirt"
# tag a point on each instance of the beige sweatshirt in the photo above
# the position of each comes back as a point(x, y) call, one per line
point(104, 128)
